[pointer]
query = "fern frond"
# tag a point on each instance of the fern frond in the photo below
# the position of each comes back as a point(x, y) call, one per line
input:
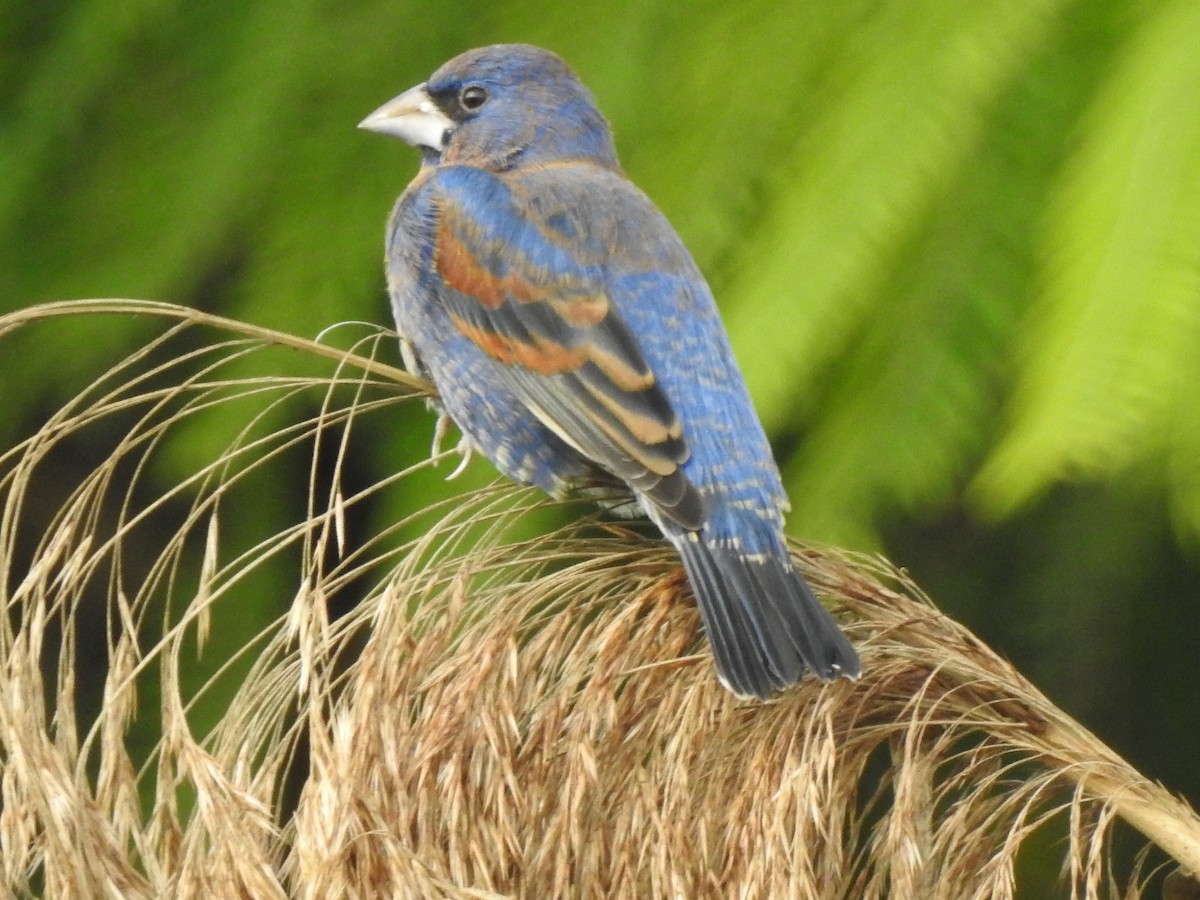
point(1109, 374)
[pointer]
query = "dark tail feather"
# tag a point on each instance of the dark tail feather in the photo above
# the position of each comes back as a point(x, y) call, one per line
point(764, 622)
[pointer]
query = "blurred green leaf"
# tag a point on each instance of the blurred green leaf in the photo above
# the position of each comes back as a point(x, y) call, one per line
point(1108, 362)
point(894, 116)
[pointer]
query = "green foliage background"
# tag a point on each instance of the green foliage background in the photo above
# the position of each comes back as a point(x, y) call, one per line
point(957, 246)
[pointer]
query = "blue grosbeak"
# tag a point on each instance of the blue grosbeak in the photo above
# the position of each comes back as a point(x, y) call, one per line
point(575, 343)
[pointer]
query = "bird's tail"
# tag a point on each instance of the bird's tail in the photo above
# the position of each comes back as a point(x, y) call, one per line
point(765, 624)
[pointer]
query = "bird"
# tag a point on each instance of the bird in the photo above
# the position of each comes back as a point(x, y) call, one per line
point(574, 342)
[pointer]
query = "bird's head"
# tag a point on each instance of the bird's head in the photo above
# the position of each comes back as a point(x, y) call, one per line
point(498, 107)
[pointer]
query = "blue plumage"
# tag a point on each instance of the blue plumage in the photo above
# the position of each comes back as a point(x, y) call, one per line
point(575, 343)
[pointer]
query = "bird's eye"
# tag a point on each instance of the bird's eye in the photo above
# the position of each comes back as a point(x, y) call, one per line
point(473, 97)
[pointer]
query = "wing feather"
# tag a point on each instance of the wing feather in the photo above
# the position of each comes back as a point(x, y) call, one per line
point(530, 303)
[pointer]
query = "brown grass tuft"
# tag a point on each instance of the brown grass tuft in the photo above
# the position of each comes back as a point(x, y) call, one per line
point(497, 715)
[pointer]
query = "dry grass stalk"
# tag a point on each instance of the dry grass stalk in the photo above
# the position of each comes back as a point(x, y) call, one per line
point(497, 716)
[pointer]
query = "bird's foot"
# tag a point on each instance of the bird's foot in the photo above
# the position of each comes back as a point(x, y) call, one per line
point(439, 433)
point(464, 447)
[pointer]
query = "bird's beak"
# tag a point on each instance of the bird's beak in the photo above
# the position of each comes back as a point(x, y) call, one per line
point(412, 117)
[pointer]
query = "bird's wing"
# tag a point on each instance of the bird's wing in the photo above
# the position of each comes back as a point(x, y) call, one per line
point(536, 298)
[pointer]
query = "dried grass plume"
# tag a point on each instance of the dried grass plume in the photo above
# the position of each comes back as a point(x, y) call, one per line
point(455, 705)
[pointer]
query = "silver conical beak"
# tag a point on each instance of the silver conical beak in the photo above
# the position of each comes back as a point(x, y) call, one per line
point(412, 117)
